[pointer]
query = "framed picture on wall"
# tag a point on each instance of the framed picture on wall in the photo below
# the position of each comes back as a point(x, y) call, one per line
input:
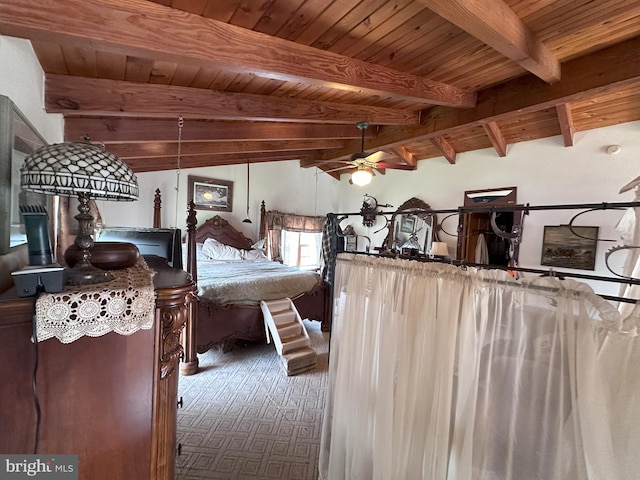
point(210, 193)
point(569, 247)
point(407, 223)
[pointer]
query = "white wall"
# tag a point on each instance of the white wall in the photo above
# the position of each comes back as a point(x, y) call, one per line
point(544, 171)
point(22, 80)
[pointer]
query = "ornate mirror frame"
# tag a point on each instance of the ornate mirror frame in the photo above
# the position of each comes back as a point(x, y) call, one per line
point(415, 207)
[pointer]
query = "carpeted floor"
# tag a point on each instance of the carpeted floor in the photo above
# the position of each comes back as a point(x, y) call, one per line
point(244, 419)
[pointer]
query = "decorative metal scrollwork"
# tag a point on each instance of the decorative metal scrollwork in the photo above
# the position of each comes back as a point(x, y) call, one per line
point(514, 235)
point(617, 249)
point(571, 227)
point(369, 210)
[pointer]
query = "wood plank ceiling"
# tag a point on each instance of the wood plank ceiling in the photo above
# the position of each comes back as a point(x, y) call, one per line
point(290, 79)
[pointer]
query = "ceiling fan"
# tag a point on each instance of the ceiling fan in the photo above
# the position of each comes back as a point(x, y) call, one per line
point(365, 162)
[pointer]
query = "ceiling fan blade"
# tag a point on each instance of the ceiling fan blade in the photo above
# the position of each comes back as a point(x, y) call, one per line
point(327, 162)
point(339, 168)
point(359, 156)
point(395, 166)
point(376, 156)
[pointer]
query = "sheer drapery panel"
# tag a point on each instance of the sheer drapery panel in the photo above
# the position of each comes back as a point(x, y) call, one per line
point(439, 373)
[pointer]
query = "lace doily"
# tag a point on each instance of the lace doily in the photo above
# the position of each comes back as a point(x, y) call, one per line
point(123, 305)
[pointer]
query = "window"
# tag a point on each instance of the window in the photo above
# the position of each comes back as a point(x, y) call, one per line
point(294, 240)
point(301, 249)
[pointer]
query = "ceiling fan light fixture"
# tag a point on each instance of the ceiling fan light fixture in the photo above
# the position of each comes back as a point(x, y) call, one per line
point(362, 176)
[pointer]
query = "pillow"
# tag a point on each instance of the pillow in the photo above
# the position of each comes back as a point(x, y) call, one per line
point(259, 245)
point(200, 255)
point(254, 256)
point(219, 251)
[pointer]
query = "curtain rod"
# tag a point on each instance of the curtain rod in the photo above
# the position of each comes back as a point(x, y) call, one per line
point(484, 207)
point(549, 272)
point(541, 272)
point(526, 208)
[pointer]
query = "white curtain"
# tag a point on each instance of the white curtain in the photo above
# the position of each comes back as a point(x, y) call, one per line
point(442, 373)
point(629, 229)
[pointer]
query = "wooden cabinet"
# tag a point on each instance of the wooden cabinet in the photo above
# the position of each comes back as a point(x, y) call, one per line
point(478, 240)
point(111, 399)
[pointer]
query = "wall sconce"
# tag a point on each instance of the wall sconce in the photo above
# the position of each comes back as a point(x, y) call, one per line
point(369, 210)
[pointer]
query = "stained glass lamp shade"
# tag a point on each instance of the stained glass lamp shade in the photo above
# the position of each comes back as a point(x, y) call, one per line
point(86, 171)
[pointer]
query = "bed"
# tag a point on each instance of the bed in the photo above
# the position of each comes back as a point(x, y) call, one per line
point(230, 288)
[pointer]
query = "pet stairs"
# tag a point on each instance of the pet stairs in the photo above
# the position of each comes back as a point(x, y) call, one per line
point(283, 324)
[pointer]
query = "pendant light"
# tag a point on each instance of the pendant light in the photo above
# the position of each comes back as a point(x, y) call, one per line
point(247, 220)
point(178, 167)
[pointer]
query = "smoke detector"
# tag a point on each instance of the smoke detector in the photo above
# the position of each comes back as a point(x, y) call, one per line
point(613, 149)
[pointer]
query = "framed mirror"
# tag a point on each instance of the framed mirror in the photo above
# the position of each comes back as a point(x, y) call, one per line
point(411, 228)
point(18, 139)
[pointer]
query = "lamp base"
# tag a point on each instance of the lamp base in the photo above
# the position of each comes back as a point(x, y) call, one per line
point(83, 273)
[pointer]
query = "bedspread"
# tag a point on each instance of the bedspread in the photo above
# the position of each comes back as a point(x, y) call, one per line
point(246, 283)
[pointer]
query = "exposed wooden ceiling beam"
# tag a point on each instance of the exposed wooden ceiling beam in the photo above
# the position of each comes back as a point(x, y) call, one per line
point(77, 96)
point(163, 149)
point(445, 148)
point(171, 162)
point(598, 73)
point(147, 29)
point(495, 136)
point(495, 24)
point(566, 123)
point(115, 129)
point(405, 155)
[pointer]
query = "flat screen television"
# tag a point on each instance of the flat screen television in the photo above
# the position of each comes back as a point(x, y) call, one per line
point(162, 242)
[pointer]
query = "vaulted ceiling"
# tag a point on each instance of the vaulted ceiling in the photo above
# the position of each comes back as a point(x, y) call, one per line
point(273, 80)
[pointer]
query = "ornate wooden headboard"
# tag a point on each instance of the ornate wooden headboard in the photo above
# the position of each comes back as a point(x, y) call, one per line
point(218, 228)
point(215, 227)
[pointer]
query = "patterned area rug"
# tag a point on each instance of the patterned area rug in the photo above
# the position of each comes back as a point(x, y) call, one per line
point(244, 418)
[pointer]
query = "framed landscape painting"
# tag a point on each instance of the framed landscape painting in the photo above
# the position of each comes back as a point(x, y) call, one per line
point(210, 193)
point(569, 247)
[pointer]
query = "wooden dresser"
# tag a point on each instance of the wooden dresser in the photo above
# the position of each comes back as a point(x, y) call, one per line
point(112, 400)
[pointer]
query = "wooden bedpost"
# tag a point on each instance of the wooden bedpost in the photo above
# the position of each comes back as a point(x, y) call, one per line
point(263, 222)
point(189, 364)
point(156, 209)
point(192, 221)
